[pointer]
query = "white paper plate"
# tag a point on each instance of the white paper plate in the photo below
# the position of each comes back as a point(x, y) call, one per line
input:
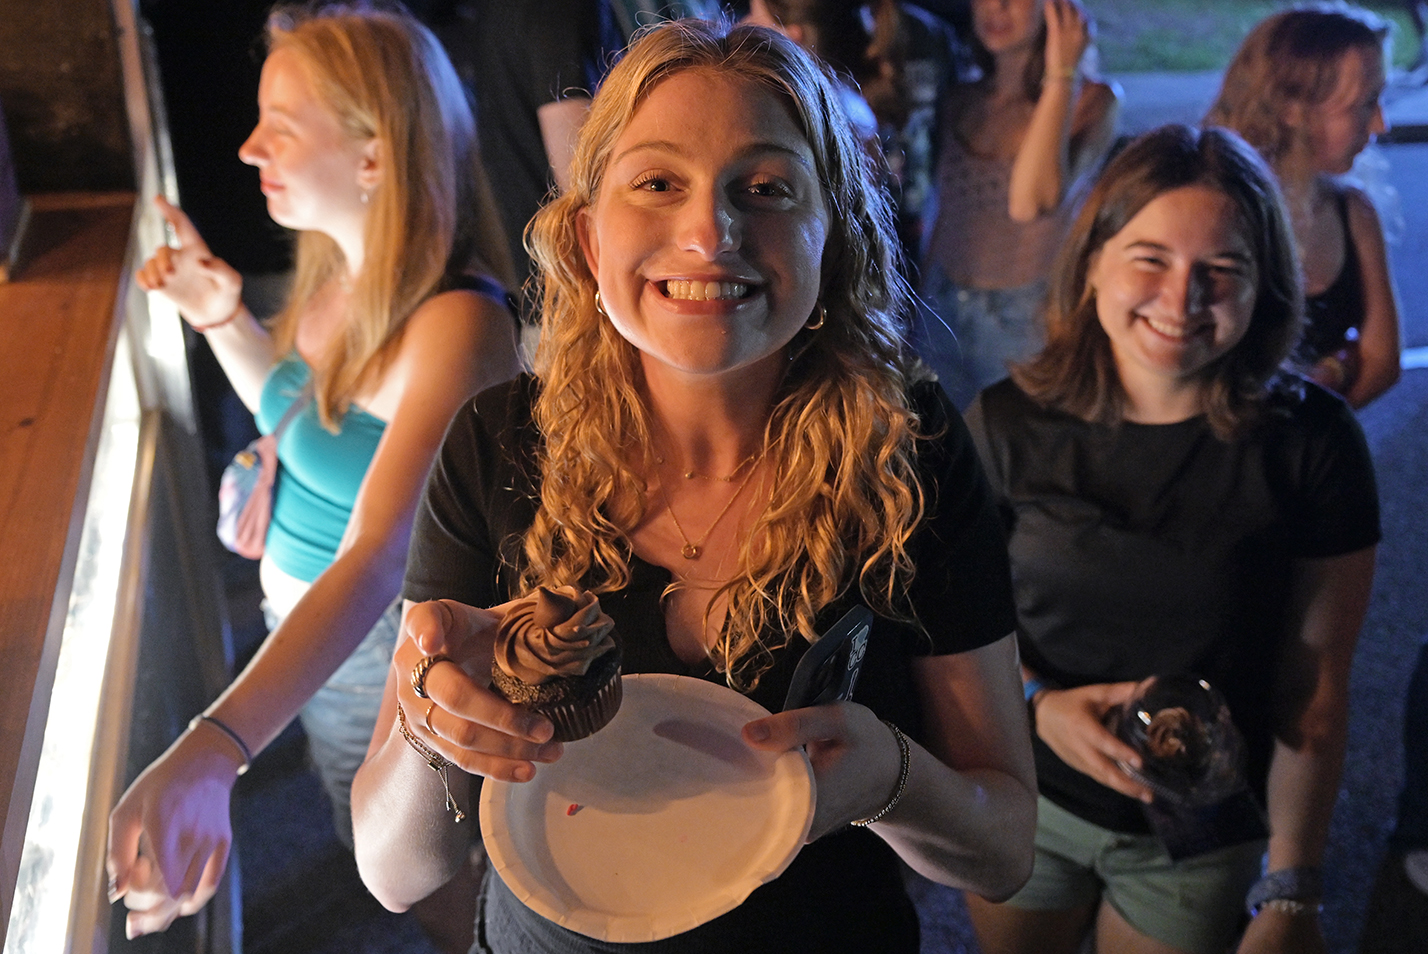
point(659, 822)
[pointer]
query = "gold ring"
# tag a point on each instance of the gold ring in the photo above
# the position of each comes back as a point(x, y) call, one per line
point(420, 670)
point(427, 720)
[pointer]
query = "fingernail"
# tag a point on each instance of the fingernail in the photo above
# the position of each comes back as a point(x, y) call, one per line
point(551, 751)
point(113, 890)
point(757, 731)
point(540, 730)
point(523, 773)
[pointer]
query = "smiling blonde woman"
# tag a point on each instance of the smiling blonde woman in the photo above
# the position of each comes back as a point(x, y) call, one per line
point(722, 441)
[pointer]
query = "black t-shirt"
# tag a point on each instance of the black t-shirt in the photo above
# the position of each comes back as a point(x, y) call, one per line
point(1142, 550)
point(517, 56)
point(844, 892)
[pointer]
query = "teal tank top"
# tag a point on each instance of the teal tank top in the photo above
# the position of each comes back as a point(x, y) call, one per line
point(319, 473)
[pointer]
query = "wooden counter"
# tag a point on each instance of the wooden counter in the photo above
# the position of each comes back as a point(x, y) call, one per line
point(58, 328)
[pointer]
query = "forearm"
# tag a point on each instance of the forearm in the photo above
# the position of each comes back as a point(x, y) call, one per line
point(1377, 373)
point(1303, 785)
point(244, 349)
point(957, 828)
point(1042, 166)
point(407, 843)
point(320, 633)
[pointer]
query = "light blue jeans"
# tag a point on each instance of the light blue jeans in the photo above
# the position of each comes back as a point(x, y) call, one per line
point(970, 335)
point(340, 718)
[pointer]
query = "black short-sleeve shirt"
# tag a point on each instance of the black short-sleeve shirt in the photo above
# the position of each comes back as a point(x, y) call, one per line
point(466, 545)
point(1142, 550)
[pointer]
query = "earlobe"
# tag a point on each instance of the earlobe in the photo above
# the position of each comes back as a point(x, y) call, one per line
point(369, 170)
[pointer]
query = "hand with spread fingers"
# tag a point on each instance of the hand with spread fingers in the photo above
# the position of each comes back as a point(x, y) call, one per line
point(203, 287)
point(1071, 722)
point(443, 677)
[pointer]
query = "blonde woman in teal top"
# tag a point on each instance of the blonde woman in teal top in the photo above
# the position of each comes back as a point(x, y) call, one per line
point(365, 146)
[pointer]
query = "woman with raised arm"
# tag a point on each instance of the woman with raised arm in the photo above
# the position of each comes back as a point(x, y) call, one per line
point(366, 147)
point(1178, 507)
point(722, 440)
point(1016, 148)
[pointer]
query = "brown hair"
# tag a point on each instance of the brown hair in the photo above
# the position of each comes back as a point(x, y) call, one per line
point(1035, 70)
point(875, 60)
point(1290, 57)
point(1076, 371)
point(840, 435)
point(432, 218)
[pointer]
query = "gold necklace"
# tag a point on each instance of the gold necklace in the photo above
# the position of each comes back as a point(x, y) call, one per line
point(691, 475)
point(692, 550)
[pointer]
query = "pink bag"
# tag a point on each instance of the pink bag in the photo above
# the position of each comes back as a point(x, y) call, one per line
point(245, 494)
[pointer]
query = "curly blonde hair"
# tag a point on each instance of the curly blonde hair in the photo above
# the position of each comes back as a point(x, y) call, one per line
point(841, 437)
point(387, 78)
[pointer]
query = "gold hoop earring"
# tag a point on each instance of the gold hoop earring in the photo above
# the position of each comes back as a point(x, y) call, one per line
point(822, 317)
point(600, 305)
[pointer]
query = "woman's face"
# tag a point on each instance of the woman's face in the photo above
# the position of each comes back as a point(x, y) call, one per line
point(311, 171)
point(1003, 25)
point(1339, 128)
point(1175, 288)
point(707, 235)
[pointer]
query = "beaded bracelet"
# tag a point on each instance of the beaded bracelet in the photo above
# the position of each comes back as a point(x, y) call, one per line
point(904, 749)
point(438, 762)
point(1289, 890)
point(1287, 906)
point(233, 737)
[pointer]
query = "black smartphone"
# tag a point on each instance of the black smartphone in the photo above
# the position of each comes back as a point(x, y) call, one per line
point(828, 671)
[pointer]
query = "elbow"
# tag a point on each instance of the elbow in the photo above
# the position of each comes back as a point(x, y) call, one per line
point(1023, 212)
point(1009, 848)
point(388, 880)
point(1013, 855)
point(387, 895)
point(1026, 209)
point(1009, 878)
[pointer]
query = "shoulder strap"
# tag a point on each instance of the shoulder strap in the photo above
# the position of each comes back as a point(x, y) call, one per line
point(294, 409)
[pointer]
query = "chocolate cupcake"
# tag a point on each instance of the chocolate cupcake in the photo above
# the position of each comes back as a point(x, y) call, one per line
point(556, 655)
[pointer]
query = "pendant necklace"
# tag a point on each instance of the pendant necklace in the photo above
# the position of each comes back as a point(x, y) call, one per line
point(691, 549)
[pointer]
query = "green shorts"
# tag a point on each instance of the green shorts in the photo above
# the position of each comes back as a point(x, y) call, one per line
point(1196, 904)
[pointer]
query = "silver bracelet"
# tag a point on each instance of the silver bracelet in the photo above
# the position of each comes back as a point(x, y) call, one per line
point(905, 753)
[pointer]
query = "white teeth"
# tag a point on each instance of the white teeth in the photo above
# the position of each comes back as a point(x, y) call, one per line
point(686, 290)
point(1170, 331)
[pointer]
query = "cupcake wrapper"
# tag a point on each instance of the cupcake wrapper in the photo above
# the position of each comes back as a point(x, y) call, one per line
point(577, 720)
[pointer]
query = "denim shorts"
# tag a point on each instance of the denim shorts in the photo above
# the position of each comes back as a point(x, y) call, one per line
point(1196, 904)
point(340, 718)
point(970, 335)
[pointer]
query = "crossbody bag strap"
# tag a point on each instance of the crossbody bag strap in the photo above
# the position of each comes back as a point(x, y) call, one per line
point(294, 409)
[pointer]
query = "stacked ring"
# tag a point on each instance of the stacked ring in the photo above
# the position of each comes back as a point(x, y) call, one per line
point(420, 670)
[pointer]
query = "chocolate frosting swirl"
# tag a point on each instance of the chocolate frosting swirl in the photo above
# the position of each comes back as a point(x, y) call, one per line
point(553, 633)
